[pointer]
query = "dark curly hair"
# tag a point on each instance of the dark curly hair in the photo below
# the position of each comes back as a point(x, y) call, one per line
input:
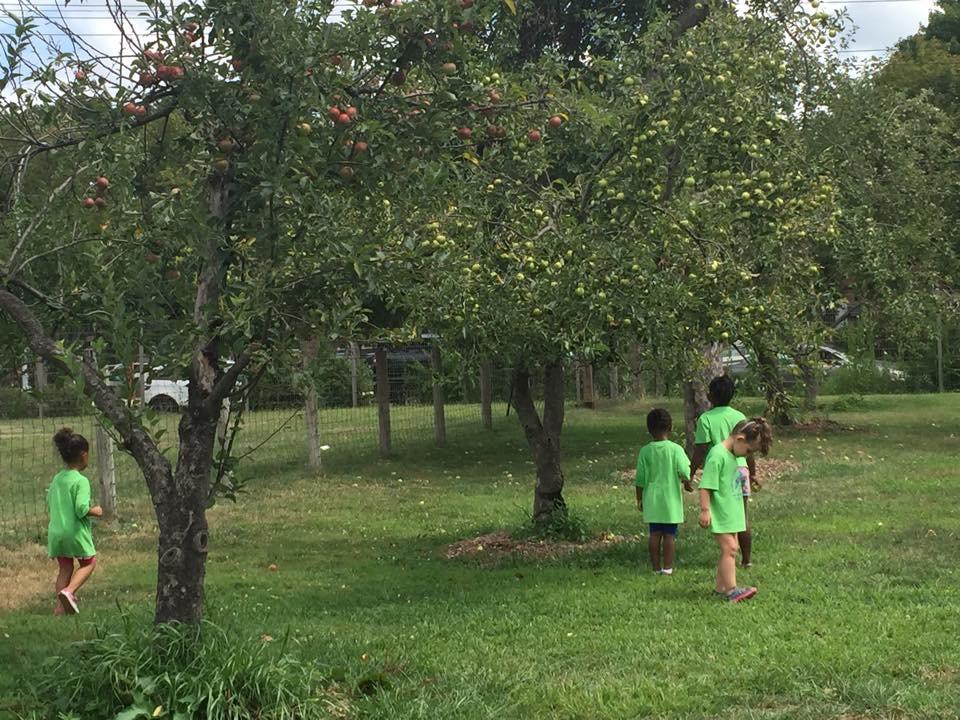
point(71, 445)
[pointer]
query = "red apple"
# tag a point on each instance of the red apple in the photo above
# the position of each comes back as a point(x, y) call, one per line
point(352, 112)
point(466, 27)
point(556, 121)
point(190, 37)
point(172, 274)
point(334, 113)
point(152, 257)
point(225, 146)
point(192, 26)
point(360, 146)
point(494, 96)
point(102, 183)
point(221, 165)
point(464, 133)
point(134, 110)
point(100, 202)
point(153, 55)
point(237, 64)
point(466, 4)
point(169, 72)
point(335, 60)
point(534, 136)
point(449, 68)
point(147, 79)
point(346, 172)
point(344, 119)
point(80, 74)
point(89, 203)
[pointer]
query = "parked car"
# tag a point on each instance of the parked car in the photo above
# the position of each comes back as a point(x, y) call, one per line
point(159, 393)
point(736, 361)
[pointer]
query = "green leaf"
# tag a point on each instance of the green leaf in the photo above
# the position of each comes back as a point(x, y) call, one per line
point(133, 712)
point(510, 4)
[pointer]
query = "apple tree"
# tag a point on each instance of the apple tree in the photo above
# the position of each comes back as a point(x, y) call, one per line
point(206, 193)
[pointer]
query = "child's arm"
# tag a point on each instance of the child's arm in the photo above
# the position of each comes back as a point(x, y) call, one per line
point(704, 508)
point(700, 451)
point(639, 498)
point(95, 511)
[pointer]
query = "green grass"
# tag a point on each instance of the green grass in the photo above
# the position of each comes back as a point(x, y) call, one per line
point(856, 561)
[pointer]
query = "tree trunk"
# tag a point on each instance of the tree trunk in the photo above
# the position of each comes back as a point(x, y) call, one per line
point(180, 501)
point(106, 475)
point(439, 419)
point(486, 394)
point(589, 391)
point(779, 404)
point(811, 383)
point(614, 370)
point(383, 399)
point(543, 437)
point(695, 385)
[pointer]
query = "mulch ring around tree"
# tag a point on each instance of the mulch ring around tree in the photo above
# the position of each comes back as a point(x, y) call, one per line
point(769, 469)
point(496, 546)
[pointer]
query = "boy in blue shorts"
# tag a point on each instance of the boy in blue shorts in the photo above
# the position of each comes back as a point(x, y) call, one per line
point(661, 466)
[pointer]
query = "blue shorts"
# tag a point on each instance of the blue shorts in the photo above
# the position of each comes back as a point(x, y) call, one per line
point(663, 528)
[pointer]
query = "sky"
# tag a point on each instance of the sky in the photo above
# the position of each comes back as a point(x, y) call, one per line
point(876, 25)
point(879, 24)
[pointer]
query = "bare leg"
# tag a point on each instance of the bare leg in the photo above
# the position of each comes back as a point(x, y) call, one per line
point(80, 576)
point(653, 546)
point(727, 563)
point(746, 537)
point(669, 550)
point(63, 579)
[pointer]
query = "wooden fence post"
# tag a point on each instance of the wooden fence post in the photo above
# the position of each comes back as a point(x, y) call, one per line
point(383, 399)
point(486, 394)
point(439, 419)
point(311, 406)
point(106, 474)
point(39, 382)
point(355, 373)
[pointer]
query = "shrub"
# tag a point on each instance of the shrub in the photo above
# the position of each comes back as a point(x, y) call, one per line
point(862, 378)
point(561, 525)
point(178, 672)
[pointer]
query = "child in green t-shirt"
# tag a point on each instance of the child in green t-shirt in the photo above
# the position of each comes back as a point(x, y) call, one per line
point(69, 536)
point(721, 504)
point(661, 466)
point(713, 427)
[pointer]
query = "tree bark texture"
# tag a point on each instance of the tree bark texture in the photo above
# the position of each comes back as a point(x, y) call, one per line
point(695, 385)
point(543, 436)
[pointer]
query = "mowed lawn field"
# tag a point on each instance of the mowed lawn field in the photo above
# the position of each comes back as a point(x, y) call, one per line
point(857, 558)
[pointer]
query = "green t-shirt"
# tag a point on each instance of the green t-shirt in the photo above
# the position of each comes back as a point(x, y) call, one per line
point(68, 500)
point(715, 426)
point(721, 475)
point(660, 466)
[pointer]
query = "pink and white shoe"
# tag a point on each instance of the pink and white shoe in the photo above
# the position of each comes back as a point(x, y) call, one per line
point(69, 602)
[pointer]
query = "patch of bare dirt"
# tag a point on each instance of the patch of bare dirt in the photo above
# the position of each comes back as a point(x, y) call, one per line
point(769, 469)
point(26, 574)
point(815, 426)
point(940, 674)
point(499, 545)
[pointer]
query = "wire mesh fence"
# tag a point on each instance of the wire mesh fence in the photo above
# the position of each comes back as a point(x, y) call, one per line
point(273, 430)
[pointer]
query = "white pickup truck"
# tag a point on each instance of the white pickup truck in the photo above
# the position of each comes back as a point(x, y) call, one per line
point(159, 393)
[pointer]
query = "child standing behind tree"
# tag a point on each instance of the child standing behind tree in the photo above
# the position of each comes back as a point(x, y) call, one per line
point(69, 536)
point(721, 505)
point(714, 427)
point(661, 466)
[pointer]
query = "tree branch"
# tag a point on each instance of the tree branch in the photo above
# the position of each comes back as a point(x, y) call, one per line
point(135, 438)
